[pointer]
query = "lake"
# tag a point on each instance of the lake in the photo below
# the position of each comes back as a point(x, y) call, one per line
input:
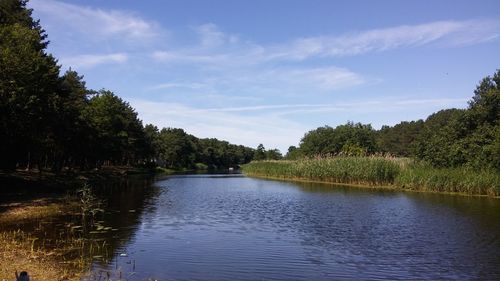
point(231, 227)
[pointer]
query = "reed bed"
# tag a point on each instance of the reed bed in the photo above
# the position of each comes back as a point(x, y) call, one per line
point(422, 177)
point(354, 170)
point(401, 173)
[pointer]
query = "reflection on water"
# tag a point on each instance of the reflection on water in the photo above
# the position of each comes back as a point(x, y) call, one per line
point(217, 227)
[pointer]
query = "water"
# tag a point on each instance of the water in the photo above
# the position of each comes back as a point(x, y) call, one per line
point(230, 227)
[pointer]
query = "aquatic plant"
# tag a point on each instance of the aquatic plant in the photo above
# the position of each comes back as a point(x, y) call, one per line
point(89, 203)
point(402, 173)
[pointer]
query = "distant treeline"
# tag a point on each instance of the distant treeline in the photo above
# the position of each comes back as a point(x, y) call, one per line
point(448, 138)
point(49, 121)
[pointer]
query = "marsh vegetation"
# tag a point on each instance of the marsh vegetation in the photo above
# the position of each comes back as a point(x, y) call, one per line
point(399, 173)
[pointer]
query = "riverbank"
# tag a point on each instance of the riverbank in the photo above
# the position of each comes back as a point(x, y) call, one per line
point(395, 173)
point(22, 251)
point(30, 203)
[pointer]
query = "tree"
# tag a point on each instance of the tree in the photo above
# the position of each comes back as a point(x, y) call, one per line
point(152, 143)
point(73, 134)
point(400, 139)
point(470, 137)
point(177, 148)
point(260, 153)
point(485, 104)
point(293, 153)
point(274, 154)
point(117, 129)
point(351, 138)
point(29, 79)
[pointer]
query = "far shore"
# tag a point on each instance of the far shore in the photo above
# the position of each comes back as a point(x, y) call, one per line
point(367, 186)
point(378, 172)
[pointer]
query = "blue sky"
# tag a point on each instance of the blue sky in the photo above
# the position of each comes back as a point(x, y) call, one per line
point(267, 72)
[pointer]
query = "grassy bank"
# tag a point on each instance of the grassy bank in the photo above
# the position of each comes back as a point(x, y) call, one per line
point(23, 251)
point(399, 173)
point(52, 237)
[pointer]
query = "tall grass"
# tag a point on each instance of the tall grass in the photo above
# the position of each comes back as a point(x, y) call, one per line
point(355, 170)
point(380, 171)
point(422, 177)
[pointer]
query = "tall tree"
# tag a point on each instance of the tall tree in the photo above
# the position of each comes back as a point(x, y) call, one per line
point(117, 129)
point(260, 153)
point(468, 137)
point(29, 79)
point(400, 139)
point(351, 139)
point(177, 148)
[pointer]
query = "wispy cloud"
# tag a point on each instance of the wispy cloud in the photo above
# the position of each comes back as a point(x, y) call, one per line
point(96, 23)
point(266, 82)
point(439, 33)
point(87, 61)
point(189, 57)
point(211, 36)
point(176, 85)
point(450, 33)
point(367, 106)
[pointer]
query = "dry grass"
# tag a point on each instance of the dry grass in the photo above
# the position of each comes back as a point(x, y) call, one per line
point(18, 254)
point(22, 252)
point(37, 209)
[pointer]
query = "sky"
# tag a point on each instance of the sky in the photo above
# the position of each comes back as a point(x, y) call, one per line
point(268, 71)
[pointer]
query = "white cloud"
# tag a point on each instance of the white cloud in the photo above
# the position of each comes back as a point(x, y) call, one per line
point(217, 47)
point(272, 130)
point(269, 124)
point(327, 78)
point(87, 61)
point(265, 82)
point(211, 36)
point(188, 57)
point(451, 33)
point(96, 24)
point(187, 85)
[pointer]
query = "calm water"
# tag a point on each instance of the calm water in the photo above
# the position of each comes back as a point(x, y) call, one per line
point(230, 227)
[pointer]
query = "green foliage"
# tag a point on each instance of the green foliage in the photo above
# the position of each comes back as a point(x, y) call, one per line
point(173, 148)
point(470, 137)
point(117, 129)
point(273, 154)
point(399, 140)
point(260, 153)
point(221, 154)
point(177, 148)
point(351, 138)
point(28, 85)
point(293, 153)
point(485, 104)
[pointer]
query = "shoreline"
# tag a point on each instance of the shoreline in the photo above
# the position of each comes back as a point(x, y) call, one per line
point(29, 197)
point(391, 173)
point(24, 252)
point(368, 186)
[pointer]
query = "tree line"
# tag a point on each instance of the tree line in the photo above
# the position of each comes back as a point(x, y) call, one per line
point(53, 121)
point(448, 138)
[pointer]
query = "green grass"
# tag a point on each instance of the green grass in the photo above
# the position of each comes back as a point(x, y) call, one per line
point(401, 173)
